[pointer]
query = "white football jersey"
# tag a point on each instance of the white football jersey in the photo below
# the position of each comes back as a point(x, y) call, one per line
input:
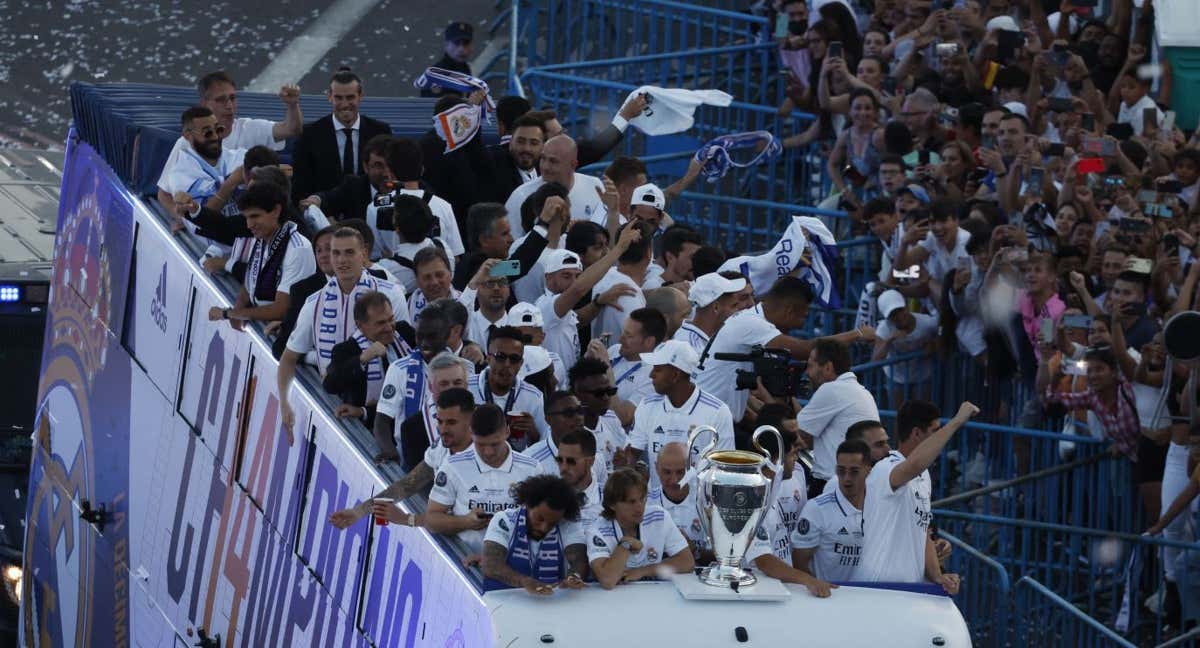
point(685, 515)
point(831, 525)
point(895, 526)
point(659, 535)
point(521, 397)
point(465, 482)
point(630, 377)
point(745, 329)
point(772, 537)
point(656, 423)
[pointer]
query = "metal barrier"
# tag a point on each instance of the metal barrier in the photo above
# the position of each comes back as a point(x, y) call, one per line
point(985, 598)
point(1047, 619)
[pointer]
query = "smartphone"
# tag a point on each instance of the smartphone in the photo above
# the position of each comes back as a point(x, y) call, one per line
point(605, 338)
point(1075, 368)
point(1168, 122)
point(1088, 122)
point(1149, 119)
point(1133, 225)
point(1140, 266)
point(835, 49)
point(1007, 44)
point(1035, 180)
point(964, 264)
point(1077, 321)
point(1059, 54)
point(1061, 104)
point(1170, 245)
point(1046, 330)
point(1120, 130)
point(946, 49)
point(1099, 146)
point(1170, 186)
point(923, 157)
point(1019, 256)
point(781, 25)
point(988, 142)
point(1147, 196)
point(912, 272)
point(889, 85)
point(509, 268)
point(1057, 149)
point(1158, 210)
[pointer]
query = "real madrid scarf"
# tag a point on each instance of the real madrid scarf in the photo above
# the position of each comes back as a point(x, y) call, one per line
point(548, 566)
point(376, 368)
point(459, 82)
point(716, 157)
point(804, 233)
point(266, 262)
point(333, 318)
point(457, 125)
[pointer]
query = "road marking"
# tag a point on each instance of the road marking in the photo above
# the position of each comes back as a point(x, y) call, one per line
point(303, 53)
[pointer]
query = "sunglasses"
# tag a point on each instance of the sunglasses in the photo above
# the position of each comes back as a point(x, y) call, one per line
point(510, 358)
point(603, 391)
point(569, 412)
point(210, 132)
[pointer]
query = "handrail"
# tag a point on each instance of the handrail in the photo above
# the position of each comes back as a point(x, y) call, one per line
point(1038, 474)
point(979, 555)
point(1067, 607)
point(1194, 633)
point(1063, 528)
point(690, 8)
point(624, 60)
point(514, 81)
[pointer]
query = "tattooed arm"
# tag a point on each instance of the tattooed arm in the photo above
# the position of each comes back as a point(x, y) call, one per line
point(495, 567)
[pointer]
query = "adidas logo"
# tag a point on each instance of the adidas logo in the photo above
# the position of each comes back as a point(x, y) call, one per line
point(843, 531)
point(475, 489)
point(158, 305)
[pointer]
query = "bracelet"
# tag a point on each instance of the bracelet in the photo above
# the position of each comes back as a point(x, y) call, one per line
point(225, 313)
point(412, 519)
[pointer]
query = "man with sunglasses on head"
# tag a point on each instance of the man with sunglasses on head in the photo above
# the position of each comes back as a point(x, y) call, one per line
point(522, 403)
point(204, 167)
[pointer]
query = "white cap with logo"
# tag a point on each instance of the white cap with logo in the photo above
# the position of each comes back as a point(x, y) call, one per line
point(556, 260)
point(889, 302)
point(677, 353)
point(650, 195)
point(524, 314)
point(709, 288)
point(536, 359)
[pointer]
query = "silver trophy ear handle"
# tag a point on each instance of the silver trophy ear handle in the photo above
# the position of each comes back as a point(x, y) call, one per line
point(776, 463)
point(696, 433)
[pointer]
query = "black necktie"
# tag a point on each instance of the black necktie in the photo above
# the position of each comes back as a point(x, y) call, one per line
point(348, 166)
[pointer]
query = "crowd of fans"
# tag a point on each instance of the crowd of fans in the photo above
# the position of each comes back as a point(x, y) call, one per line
point(534, 344)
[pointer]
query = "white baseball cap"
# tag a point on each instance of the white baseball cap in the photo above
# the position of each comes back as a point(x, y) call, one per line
point(890, 301)
point(536, 359)
point(709, 288)
point(677, 353)
point(556, 260)
point(524, 314)
point(1002, 23)
point(650, 195)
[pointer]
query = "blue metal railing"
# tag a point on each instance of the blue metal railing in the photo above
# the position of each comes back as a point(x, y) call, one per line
point(1054, 621)
point(985, 601)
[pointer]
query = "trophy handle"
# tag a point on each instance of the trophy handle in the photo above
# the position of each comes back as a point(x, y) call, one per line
point(701, 494)
point(774, 463)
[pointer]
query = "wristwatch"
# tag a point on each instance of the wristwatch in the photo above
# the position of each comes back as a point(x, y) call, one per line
point(412, 519)
point(626, 545)
point(224, 313)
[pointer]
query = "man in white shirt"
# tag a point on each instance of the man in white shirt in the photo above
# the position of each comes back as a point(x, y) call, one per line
point(630, 271)
point(643, 331)
point(938, 245)
point(715, 298)
point(592, 383)
point(473, 485)
point(838, 402)
point(678, 497)
point(539, 544)
point(677, 407)
point(577, 464)
point(527, 319)
point(673, 263)
point(566, 283)
point(433, 271)
point(413, 224)
point(521, 402)
point(490, 295)
point(454, 409)
point(218, 93)
point(896, 514)
point(204, 166)
point(827, 541)
point(784, 307)
point(558, 164)
point(406, 382)
point(1135, 102)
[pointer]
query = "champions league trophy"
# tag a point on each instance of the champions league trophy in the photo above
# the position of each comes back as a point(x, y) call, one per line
point(732, 496)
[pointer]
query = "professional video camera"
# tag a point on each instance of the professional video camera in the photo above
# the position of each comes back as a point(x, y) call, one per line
point(780, 375)
point(385, 209)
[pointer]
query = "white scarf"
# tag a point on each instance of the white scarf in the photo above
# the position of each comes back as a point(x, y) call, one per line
point(764, 269)
point(333, 318)
point(673, 110)
point(377, 367)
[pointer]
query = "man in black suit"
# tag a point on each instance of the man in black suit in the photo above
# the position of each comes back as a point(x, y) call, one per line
point(351, 197)
point(491, 236)
point(347, 372)
point(331, 147)
point(516, 162)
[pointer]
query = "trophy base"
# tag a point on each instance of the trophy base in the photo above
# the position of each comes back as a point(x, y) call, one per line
point(727, 577)
point(766, 589)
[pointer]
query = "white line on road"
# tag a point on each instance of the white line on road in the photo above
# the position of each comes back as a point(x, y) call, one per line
point(303, 53)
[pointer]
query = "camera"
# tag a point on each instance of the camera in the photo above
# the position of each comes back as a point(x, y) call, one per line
point(385, 210)
point(780, 376)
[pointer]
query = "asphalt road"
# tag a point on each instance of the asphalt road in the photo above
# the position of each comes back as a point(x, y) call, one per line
point(44, 46)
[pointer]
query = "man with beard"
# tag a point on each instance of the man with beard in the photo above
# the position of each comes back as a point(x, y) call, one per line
point(521, 402)
point(592, 383)
point(715, 297)
point(558, 164)
point(406, 381)
point(204, 167)
point(454, 409)
point(351, 197)
point(517, 163)
point(332, 146)
point(548, 514)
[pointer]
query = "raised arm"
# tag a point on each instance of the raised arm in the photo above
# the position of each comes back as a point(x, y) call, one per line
point(923, 456)
point(293, 120)
point(588, 279)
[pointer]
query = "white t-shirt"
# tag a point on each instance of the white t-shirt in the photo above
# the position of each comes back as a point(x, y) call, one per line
point(895, 526)
point(610, 437)
point(521, 397)
point(832, 526)
point(610, 320)
point(915, 370)
point(692, 335)
point(562, 333)
point(656, 423)
point(834, 407)
point(501, 528)
point(719, 377)
point(684, 514)
point(298, 263)
point(585, 201)
point(631, 377)
point(654, 275)
point(395, 384)
point(465, 482)
point(1132, 115)
point(246, 133)
point(660, 538)
point(940, 259)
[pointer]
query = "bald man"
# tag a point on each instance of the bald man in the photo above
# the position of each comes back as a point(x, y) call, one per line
point(678, 499)
point(558, 163)
point(672, 303)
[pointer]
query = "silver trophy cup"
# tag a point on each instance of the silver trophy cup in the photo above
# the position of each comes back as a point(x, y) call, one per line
point(732, 496)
